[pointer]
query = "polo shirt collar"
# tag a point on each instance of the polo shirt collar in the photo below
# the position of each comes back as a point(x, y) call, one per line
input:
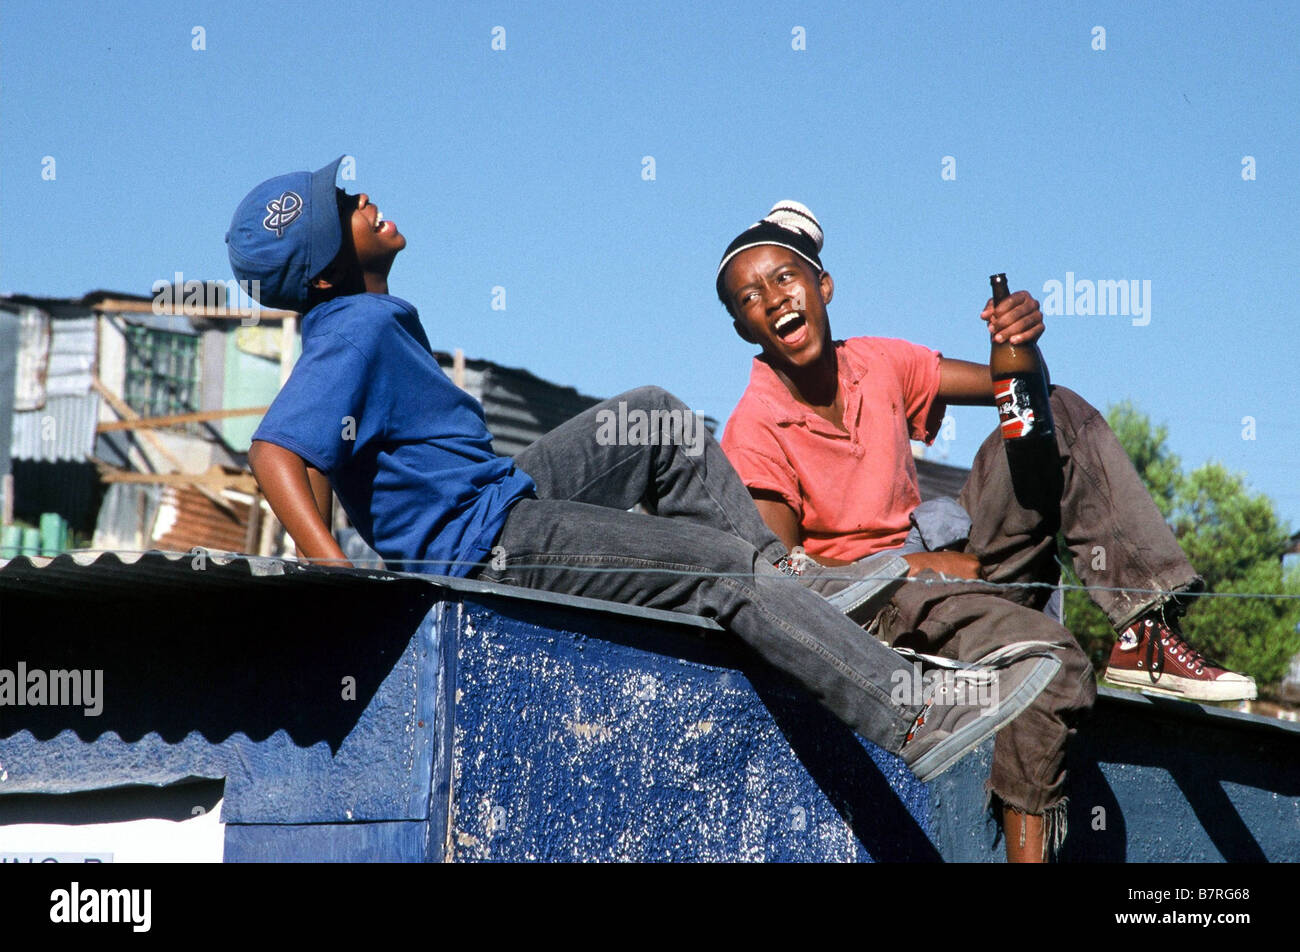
point(773, 394)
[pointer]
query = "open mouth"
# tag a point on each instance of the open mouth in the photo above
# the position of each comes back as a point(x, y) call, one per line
point(380, 223)
point(789, 325)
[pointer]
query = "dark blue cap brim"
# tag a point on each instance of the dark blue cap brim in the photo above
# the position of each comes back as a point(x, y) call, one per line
point(326, 234)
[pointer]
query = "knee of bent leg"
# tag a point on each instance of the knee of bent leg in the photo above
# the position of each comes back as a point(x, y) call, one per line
point(652, 398)
point(1067, 403)
point(1074, 681)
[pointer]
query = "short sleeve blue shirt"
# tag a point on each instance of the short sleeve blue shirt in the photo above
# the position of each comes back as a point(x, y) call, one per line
point(406, 450)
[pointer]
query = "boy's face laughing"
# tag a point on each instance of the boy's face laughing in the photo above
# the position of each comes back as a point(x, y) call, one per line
point(375, 239)
point(369, 245)
point(779, 303)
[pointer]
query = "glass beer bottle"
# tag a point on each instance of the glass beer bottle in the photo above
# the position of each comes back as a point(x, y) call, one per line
point(1019, 384)
point(1025, 418)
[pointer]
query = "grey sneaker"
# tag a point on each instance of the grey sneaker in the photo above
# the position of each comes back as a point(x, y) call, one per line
point(966, 704)
point(859, 590)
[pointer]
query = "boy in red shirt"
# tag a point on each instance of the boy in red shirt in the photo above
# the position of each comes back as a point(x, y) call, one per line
point(820, 438)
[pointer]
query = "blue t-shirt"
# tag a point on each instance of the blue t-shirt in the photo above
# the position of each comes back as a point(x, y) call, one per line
point(406, 450)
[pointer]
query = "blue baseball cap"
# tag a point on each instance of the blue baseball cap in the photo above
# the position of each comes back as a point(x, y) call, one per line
point(284, 233)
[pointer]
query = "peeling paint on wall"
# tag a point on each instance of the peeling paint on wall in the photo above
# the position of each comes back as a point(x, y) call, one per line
point(570, 747)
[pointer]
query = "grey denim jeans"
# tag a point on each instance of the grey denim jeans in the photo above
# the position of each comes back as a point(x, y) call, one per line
point(705, 552)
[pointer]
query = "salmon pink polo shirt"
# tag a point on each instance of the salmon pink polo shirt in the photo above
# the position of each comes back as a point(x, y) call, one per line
point(852, 491)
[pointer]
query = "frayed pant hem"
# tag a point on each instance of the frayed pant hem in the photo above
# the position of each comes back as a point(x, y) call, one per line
point(1055, 822)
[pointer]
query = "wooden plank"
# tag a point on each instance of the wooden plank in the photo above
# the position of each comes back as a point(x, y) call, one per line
point(121, 408)
point(288, 331)
point(243, 482)
point(141, 423)
point(121, 306)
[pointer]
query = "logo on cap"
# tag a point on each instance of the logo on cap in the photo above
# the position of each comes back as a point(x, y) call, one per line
point(282, 212)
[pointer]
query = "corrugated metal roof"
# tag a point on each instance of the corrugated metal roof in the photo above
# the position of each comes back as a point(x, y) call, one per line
point(125, 514)
point(61, 431)
point(187, 518)
point(518, 406)
point(32, 357)
point(139, 579)
point(143, 583)
point(62, 426)
point(940, 479)
point(72, 356)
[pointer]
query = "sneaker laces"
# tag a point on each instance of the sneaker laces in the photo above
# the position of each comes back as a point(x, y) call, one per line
point(1165, 633)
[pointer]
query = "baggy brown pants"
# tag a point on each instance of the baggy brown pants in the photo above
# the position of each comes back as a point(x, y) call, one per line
point(1117, 538)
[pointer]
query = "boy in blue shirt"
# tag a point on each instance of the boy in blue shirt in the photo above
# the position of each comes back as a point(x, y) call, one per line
point(369, 413)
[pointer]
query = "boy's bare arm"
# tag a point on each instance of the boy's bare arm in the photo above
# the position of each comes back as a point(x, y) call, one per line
point(323, 494)
point(784, 522)
point(963, 383)
point(284, 478)
point(778, 515)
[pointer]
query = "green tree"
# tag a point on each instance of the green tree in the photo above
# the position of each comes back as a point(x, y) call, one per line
point(1232, 537)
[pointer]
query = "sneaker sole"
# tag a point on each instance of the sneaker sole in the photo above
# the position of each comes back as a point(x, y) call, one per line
point(947, 752)
point(1172, 686)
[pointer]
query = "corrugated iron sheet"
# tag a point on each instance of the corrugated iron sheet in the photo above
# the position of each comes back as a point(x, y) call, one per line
point(133, 578)
point(125, 515)
point(61, 431)
point(72, 356)
point(60, 424)
point(32, 358)
point(519, 406)
point(187, 518)
point(8, 384)
point(122, 578)
point(940, 479)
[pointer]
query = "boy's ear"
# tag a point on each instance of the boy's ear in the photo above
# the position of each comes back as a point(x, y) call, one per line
point(327, 277)
point(827, 286)
point(743, 331)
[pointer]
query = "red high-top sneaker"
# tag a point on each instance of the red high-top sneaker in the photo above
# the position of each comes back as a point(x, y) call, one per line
point(1153, 655)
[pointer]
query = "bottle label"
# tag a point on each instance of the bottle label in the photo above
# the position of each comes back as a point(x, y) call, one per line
point(1022, 406)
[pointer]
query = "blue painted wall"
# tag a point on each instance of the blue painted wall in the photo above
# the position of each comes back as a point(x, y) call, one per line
point(491, 724)
point(578, 739)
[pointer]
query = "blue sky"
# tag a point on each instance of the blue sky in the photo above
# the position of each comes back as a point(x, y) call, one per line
point(523, 168)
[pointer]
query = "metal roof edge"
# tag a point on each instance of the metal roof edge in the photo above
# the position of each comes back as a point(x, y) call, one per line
point(1180, 709)
point(235, 565)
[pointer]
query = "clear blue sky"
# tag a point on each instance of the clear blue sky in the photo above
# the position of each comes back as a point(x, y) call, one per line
point(522, 168)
